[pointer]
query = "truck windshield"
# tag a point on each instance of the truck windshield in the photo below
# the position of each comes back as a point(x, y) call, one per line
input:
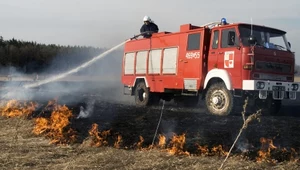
point(266, 37)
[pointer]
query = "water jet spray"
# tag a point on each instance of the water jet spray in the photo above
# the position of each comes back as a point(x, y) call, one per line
point(74, 70)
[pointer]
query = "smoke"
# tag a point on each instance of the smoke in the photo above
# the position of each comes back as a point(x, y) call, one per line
point(168, 127)
point(74, 70)
point(86, 113)
point(243, 145)
point(97, 79)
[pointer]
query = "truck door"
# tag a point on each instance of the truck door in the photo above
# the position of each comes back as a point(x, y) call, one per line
point(230, 56)
point(214, 50)
point(192, 72)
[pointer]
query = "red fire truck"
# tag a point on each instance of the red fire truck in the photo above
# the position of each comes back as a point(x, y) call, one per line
point(220, 64)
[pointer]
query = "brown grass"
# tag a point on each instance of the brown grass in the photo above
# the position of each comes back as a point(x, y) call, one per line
point(21, 149)
point(297, 79)
point(31, 152)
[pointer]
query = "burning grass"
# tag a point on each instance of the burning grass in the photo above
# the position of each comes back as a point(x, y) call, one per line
point(14, 108)
point(272, 154)
point(57, 128)
point(214, 151)
point(98, 138)
point(176, 145)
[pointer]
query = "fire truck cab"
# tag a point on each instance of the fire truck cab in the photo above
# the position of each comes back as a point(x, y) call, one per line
point(221, 64)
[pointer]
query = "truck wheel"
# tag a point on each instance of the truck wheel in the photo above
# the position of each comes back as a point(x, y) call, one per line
point(219, 100)
point(143, 97)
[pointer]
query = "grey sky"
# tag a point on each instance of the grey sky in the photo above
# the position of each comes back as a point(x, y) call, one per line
point(106, 23)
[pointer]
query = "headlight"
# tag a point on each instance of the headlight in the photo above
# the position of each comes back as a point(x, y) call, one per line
point(295, 87)
point(260, 85)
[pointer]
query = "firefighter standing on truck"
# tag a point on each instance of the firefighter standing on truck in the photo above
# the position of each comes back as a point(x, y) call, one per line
point(148, 27)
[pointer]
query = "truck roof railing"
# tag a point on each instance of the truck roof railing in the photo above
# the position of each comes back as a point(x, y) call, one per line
point(211, 24)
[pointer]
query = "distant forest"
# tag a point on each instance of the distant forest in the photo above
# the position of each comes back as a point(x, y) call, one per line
point(31, 57)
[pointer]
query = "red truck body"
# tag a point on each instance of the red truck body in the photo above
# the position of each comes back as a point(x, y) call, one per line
point(202, 60)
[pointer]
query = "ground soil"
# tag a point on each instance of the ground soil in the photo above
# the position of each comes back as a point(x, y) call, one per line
point(21, 149)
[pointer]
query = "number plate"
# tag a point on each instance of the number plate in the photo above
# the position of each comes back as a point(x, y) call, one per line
point(278, 88)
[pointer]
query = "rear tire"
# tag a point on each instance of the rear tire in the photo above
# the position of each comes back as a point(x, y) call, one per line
point(143, 96)
point(219, 100)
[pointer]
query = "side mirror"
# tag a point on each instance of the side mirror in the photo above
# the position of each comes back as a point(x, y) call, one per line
point(289, 44)
point(231, 38)
point(252, 40)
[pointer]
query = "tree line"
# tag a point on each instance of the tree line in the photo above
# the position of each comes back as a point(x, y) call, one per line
point(32, 57)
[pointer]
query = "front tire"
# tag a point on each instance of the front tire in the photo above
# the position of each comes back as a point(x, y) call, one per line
point(219, 100)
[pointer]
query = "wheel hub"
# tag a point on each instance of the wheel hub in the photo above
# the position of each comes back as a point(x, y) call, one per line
point(218, 100)
point(144, 96)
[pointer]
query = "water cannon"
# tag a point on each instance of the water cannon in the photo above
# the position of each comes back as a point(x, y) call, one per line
point(143, 33)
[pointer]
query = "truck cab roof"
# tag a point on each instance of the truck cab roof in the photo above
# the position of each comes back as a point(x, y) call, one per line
point(213, 25)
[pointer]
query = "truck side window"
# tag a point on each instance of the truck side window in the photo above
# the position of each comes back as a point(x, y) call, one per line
point(227, 34)
point(193, 41)
point(215, 40)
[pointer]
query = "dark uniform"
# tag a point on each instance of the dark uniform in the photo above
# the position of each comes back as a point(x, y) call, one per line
point(149, 27)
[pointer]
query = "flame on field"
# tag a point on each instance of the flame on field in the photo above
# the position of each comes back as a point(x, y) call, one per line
point(203, 150)
point(14, 108)
point(162, 141)
point(272, 154)
point(98, 138)
point(140, 143)
point(51, 104)
point(216, 150)
point(177, 145)
point(264, 154)
point(118, 142)
point(57, 126)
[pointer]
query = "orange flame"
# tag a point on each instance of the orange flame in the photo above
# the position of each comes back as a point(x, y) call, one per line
point(140, 143)
point(162, 141)
point(13, 108)
point(218, 150)
point(177, 144)
point(264, 154)
point(203, 149)
point(56, 127)
point(98, 139)
point(118, 142)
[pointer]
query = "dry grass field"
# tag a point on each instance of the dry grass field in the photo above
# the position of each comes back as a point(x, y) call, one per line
point(119, 136)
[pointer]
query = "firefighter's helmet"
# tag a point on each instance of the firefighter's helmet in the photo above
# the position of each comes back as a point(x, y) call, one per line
point(147, 18)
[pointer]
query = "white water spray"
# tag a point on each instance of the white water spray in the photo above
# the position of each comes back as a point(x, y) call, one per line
point(86, 64)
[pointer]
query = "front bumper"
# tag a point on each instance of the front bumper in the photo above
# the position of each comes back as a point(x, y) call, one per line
point(278, 90)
